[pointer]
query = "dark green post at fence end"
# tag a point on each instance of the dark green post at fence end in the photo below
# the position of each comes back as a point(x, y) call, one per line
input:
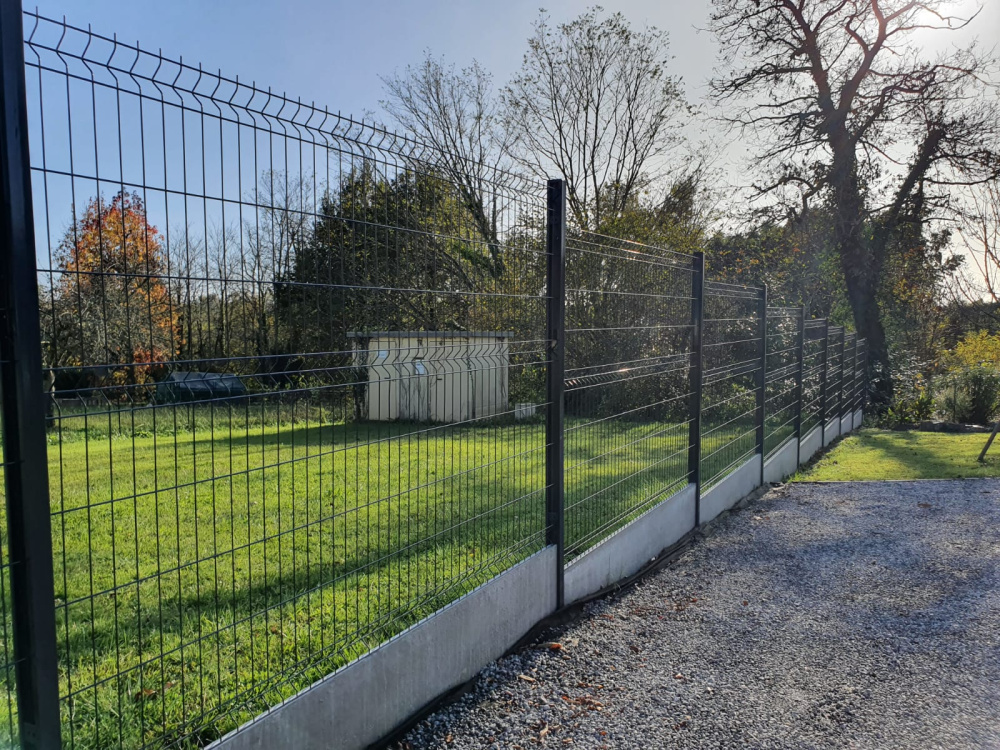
point(26, 471)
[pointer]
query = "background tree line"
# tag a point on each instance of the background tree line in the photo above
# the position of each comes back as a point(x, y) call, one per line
point(862, 148)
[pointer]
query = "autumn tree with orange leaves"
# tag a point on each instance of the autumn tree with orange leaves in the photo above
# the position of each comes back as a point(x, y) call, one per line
point(110, 304)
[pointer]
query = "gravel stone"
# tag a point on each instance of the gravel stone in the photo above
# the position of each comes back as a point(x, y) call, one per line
point(840, 615)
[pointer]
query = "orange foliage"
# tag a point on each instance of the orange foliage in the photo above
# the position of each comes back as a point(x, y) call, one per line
point(112, 284)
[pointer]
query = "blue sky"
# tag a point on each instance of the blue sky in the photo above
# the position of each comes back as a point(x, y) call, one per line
point(333, 52)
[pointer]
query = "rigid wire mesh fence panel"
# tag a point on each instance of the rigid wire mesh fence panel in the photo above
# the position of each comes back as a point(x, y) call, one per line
point(731, 361)
point(781, 400)
point(297, 385)
point(850, 373)
point(834, 372)
point(9, 734)
point(813, 355)
point(859, 376)
point(627, 390)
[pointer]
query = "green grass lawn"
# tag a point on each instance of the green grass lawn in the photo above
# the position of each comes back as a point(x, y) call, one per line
point(891, 454)
point(208, 565)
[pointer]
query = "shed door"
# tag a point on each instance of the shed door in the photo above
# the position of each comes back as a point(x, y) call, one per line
point(414, 391)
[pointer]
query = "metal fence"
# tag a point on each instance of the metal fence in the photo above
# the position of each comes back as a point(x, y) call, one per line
point(307, 381)
point(732, 413)
point(627, 368)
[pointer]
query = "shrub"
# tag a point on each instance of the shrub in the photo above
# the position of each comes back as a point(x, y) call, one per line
point(912, 402)
point(972, 387)
point(912, 397)
point(973, 394)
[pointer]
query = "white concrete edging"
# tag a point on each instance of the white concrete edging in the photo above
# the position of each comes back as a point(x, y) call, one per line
point(810, 444)
point(732, 489)
point(783, 462)
point(364, 701)
point(632, 546)
point(831, 431)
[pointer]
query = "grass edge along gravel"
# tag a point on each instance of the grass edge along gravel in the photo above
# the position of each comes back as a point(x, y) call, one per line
point(876, 454)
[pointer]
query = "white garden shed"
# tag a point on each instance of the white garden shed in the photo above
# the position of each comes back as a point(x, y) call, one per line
point(433, 376)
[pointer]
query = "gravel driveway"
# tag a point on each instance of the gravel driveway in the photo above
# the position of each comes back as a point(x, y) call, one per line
point(855, 615)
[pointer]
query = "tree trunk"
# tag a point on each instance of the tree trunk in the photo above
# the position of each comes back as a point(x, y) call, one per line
point(862, 289)
point(861, 261)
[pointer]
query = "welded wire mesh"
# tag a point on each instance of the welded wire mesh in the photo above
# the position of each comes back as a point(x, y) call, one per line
point(627, 397)
point(850, 374)
point(834, 372)
point(297, 384)
point(732, 365)
point(781, 399)
point(860, 367)
point(813, 363)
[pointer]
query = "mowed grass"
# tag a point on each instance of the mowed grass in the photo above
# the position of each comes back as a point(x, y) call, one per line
point(890, 454)
point(207, 567)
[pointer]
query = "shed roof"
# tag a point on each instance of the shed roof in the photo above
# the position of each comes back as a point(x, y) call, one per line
point(431, 334)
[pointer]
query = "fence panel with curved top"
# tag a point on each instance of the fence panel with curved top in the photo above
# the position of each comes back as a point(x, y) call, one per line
point(781, 410)
point(834, 372)
point(732, 356)
point(813, 374)
point(298, 384)
point(628, 390)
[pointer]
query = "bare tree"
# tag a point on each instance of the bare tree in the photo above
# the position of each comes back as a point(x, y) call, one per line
point(594, 102)
point(980, 233)
point(456, 112)
point(272, 235)
point(849, 111)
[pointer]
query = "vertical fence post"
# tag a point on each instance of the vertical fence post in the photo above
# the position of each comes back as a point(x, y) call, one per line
point(762, 384)
point(856, 381)
point(840, 393)
point(849, 394)
point(27, 472)
point(864, 380)
point(799, 377)
point(556, 335)
point(824, 377)
point(694, 427)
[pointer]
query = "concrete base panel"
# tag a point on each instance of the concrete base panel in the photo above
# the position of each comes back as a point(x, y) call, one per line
point(846, 424)
point(831, 432)
point(811, 443)
point(731, 490)
point(631, 547)
point(364, 701)
point(783, 462)
point(859, 417)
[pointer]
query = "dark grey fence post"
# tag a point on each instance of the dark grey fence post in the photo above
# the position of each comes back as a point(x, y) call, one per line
point(694, 428)
point(556, 335)
point(840, 393)
point(864, 379)
point(798, 384)
point(27, 473)
point(762, 384)
point(856, 381)
point(824, 376)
